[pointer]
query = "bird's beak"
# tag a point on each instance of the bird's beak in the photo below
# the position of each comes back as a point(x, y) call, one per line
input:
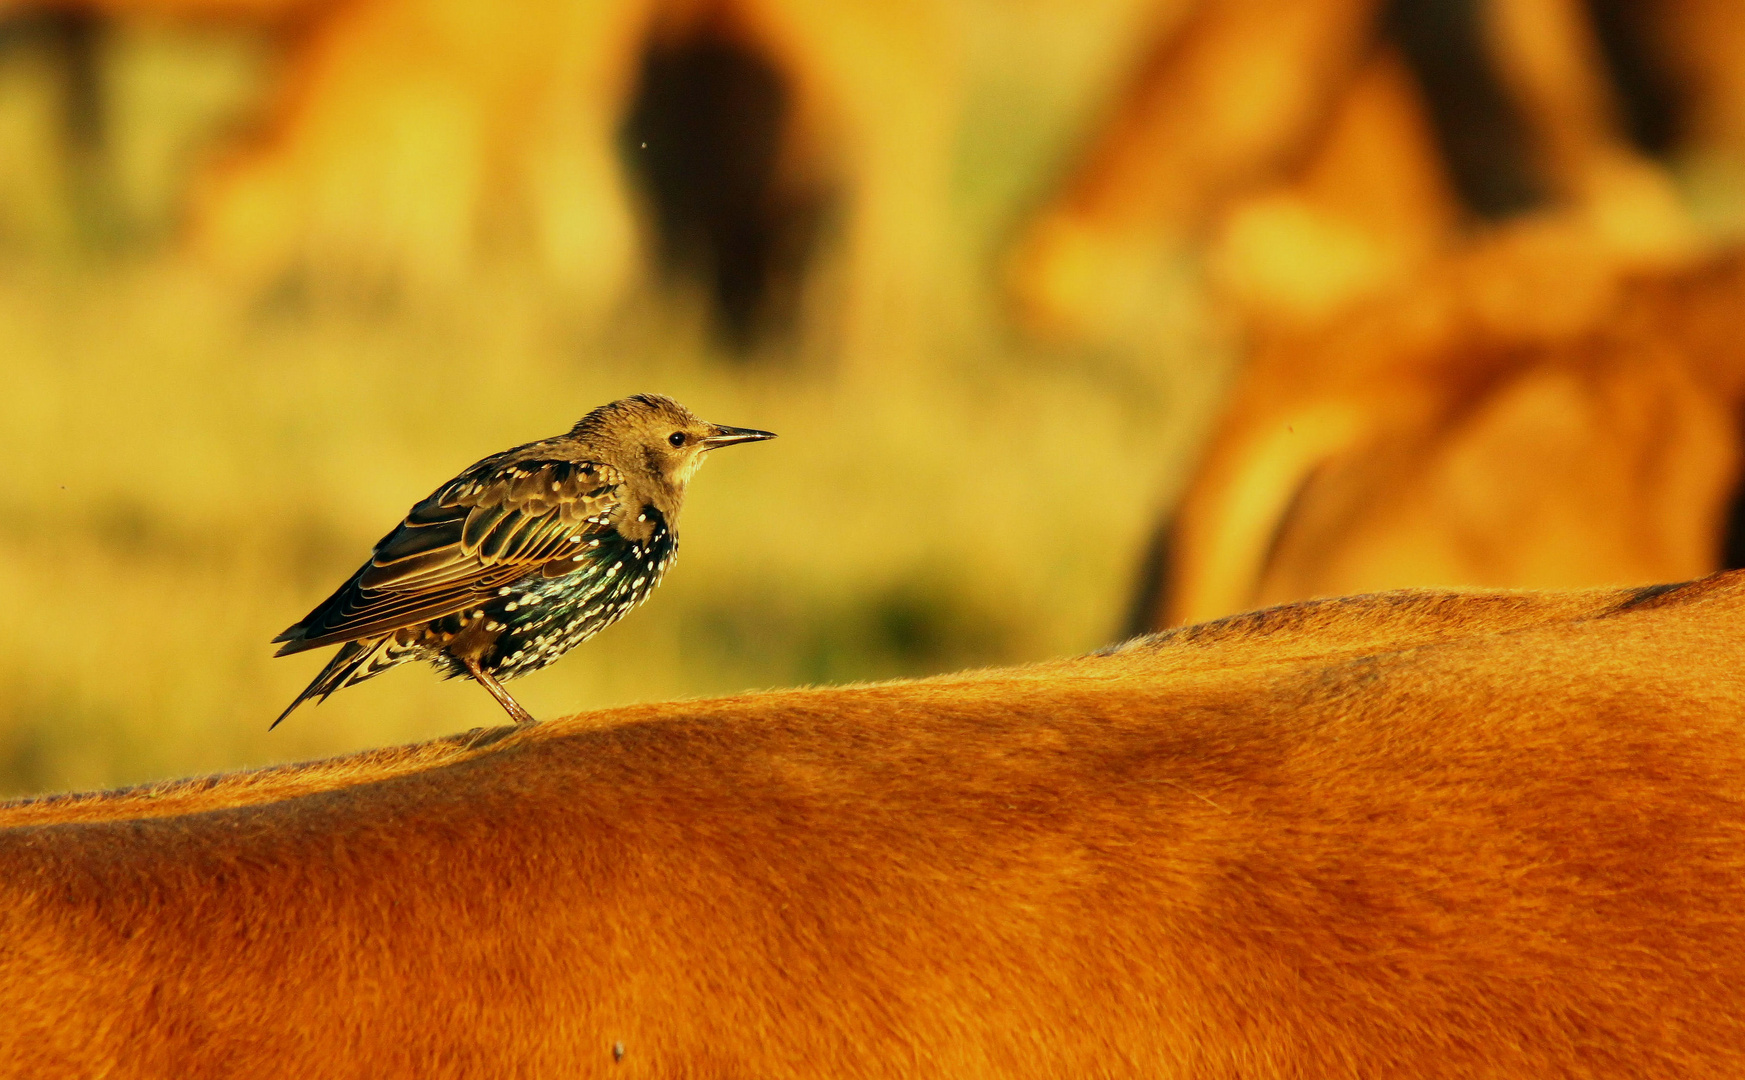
point(721, 435)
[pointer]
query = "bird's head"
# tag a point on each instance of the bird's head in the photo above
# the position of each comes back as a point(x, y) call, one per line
point(657, 443)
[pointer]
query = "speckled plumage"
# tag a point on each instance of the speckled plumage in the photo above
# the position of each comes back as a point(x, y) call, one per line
point(521, 557)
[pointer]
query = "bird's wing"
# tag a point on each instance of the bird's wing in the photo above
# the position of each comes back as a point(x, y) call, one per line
point(489, 526)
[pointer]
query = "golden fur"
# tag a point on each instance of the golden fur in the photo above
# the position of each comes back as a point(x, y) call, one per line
point(1413, 834)
point(1286, 143)
point(458, 131)
point(1529, 417)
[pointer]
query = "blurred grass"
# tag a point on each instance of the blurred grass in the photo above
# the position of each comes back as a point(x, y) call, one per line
point(189, 471)
point(187, 478)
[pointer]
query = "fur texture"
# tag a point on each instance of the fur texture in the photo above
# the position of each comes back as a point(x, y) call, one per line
point(1411, 834)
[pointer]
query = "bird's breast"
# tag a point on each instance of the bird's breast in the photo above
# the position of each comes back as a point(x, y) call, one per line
point(640, 524)
point(543, 615)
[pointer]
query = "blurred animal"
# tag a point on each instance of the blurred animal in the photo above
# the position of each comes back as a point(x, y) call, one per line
point(1530, 417)
point(1428, 402)
point(1419, 834)
point(1702, 42)
point(410, 141)
point(1318, 153)
point(521, 557)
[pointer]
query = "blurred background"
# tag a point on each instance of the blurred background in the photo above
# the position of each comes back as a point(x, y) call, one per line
point(1076, 319)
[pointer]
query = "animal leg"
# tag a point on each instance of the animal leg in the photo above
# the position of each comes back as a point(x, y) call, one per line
point(510, 705)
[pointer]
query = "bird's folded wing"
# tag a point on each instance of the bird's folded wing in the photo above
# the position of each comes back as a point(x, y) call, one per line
point(489, 526)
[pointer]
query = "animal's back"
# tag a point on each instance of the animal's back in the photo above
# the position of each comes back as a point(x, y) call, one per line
point(1412, 834)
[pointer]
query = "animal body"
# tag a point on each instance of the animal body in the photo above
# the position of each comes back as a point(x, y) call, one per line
point(521, 557)
point(408, 143)
point(1526, 418)
point(1436, 835)
point(1317, 153)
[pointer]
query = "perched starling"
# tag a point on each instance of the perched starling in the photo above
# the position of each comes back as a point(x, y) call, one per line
point(522, 556)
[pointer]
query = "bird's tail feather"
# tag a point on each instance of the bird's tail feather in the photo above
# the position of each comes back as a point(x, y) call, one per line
point(352, 664)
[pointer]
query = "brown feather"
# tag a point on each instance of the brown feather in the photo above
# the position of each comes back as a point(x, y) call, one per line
point(463, 543)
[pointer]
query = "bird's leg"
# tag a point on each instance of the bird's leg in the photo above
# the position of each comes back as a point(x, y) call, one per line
point(510, 705)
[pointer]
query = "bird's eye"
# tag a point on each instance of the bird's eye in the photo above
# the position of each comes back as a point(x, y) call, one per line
point(677, 438)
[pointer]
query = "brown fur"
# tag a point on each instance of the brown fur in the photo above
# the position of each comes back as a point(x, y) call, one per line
point(1427, 835)
point(408, 142)
point(1530, 417)
point(1283, 143)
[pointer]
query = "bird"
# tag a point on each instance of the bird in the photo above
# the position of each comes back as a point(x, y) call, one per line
point(521, 557)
